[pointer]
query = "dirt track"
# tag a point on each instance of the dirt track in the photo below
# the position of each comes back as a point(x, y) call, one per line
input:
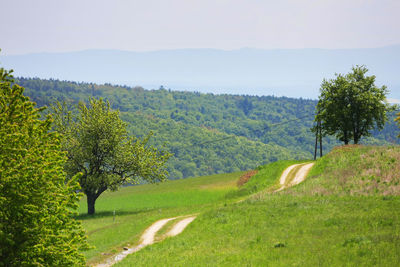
point(294, 174)
point(180, 226)
point(147, 237)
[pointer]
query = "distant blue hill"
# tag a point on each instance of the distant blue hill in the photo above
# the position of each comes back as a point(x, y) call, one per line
point(280, 72)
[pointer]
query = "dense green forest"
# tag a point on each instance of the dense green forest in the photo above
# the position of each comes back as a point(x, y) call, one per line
point(207, 133)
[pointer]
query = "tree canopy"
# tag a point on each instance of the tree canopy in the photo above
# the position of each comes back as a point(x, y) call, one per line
point(184, 121)
point(100, 148)
point(36, 223)
point(351, 105)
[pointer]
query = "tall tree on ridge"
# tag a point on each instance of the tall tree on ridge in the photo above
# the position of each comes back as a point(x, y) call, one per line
point(351, 105)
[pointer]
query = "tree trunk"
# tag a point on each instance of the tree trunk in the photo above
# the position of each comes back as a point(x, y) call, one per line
point(320, 140)
point(346, 139)
point(316, 145)
point(91, 200)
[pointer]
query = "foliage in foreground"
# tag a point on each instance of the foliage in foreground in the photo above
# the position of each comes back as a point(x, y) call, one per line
point(36, 205)
point(100, 148)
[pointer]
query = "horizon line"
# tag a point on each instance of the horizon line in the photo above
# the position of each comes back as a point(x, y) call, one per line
point(191, 48)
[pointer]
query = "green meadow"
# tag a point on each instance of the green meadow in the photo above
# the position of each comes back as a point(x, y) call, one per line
point(285, 231)
point(346, 213)
point(137, 207)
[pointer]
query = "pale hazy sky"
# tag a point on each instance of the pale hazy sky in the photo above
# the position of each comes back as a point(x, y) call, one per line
point(29, 26)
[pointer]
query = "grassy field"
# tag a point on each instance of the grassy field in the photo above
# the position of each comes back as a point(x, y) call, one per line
point(285, 231)
point(346, 213)
point(137, 207)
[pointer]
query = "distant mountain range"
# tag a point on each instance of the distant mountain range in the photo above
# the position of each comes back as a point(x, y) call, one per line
point(279, 72)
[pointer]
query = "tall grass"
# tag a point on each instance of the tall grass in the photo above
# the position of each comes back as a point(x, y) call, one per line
point(355, 170)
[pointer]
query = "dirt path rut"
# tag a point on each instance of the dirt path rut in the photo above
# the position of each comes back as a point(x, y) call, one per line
point(147, 238)
point(294, 174)
point(148, 235)
point(180, 226)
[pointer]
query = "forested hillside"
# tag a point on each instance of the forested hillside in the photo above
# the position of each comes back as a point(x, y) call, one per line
point(207, 133)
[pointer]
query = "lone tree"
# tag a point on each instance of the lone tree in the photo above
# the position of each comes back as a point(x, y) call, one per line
point(351, 105)
point(100, 148)
point(36, 205)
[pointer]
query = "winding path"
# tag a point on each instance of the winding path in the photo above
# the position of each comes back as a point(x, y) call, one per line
point(292, 175)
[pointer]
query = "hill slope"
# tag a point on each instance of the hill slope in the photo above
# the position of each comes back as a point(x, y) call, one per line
point(122, 216)
point(196, 153)
point(249, 130)
point(298, 226)
point(357, 171)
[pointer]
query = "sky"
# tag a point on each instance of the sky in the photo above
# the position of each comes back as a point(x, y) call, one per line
point(61, 26)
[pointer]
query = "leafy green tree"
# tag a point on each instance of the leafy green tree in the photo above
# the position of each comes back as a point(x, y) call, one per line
point(36, 204)
point(351, 105)
point(100, 148)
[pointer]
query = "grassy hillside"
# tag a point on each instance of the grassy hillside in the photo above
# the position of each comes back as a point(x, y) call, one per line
point(136, 207)
point(321, 222)
point(355, 171)
point(252, 130)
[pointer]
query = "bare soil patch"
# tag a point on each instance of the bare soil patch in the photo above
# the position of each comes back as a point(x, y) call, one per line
point(246, 177)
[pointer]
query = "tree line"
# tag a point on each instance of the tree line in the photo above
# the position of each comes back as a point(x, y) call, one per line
point(183, 119)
